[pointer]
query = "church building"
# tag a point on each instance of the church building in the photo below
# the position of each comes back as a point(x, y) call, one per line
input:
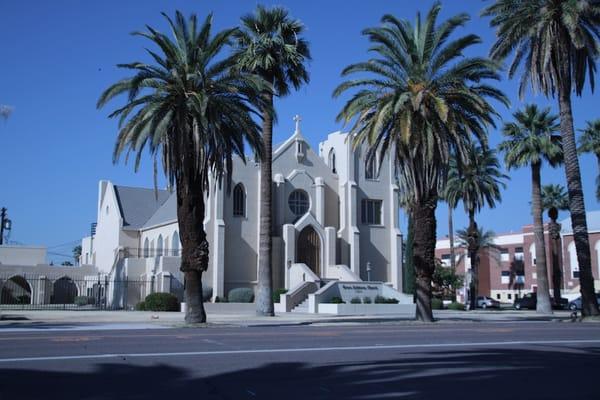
point(334, 217)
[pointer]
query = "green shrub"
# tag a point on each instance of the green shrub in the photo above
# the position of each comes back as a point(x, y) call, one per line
point(355, 300)
point(385, 300)
point(207, 293)
point(83, 300)
point(161, 302)
point(277, 294)
point(437, 304)
point(367, 300)
point(220, 299)
point(141, 306)
point(337, 300)
point(456, 306)
point(241, 295)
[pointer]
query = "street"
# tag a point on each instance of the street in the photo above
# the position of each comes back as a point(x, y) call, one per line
point(532, 360)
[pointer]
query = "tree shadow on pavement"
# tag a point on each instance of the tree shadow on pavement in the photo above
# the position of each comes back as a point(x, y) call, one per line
point(502, 373)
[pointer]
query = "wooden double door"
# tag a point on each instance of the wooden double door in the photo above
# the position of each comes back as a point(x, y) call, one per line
point(308, 249)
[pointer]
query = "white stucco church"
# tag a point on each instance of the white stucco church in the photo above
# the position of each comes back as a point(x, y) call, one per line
point(334, 218)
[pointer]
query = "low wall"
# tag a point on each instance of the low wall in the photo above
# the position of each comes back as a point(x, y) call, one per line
point(367, 309)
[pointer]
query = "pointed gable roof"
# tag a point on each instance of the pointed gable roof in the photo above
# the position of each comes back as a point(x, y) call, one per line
point(137, 205)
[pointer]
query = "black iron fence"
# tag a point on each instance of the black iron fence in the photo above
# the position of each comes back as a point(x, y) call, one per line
point(24, 292)
point(135, 252)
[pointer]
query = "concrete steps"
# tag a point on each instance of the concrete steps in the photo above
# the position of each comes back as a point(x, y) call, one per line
point(301, 308)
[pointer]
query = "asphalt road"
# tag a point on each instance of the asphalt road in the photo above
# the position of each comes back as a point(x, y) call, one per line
point(525, 360)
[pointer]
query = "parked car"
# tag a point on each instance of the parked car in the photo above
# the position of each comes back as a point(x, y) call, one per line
point(529, 301)
point(487, 302)
point(576, 304)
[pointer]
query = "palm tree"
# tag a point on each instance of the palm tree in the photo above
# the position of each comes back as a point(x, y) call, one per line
point(270, 44)
point(420, 99)
point(530, 140)
point(192, 110)
point(476, 183)
point(555, 198)
point(556, 43)
point(5, 111)
point(481, 240)
point(589, 142)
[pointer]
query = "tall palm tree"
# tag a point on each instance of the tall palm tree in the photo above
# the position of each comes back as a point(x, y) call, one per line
point(475, 182)
point(530, 140)
point(419, 99)
point(481, 240)
point(589, 142)
point(270, 44)
point(194, 112)
point(555, 198)
point(555, 41)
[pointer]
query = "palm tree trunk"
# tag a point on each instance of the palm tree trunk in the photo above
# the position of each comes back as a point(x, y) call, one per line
point(589, 305)
point(409, 277)
point(264, 296)
point(194, 246)
point(598, 178)
point(451, 239)
point(543, 287)
point(424, 257)
point(473, 245)
point(557, 277)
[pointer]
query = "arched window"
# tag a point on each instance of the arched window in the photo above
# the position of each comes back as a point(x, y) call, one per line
point(152, 248)
point(166, 246)
point(532, 253)
point(332, 161)
point(573, 260)
point(298, 202)
point(146, 248)
point(175, 244)
point(159, 246)
point(371, 168)
point(239, 201)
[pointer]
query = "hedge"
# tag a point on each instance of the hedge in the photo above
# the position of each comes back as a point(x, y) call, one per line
point(161, 302)
point(456, 306)
point(277, 294)
point(437, 304)
point(241, 295)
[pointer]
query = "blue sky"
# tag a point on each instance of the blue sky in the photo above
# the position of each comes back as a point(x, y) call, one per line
point(57, 57)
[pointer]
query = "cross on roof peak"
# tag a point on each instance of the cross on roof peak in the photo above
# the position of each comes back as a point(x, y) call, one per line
point(297, 119)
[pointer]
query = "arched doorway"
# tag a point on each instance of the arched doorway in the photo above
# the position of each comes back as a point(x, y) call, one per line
point(16, 290)
point(64, 291)
point(309, 249)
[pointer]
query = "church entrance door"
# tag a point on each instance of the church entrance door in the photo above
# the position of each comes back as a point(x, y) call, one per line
point(309, 249)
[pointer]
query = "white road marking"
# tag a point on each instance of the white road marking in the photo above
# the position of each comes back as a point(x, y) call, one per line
point(301, 350)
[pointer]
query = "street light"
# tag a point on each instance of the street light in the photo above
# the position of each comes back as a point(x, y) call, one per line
point(369, 269)
point(5, 224)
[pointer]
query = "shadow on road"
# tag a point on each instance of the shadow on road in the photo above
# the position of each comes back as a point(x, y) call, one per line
point(545, 373)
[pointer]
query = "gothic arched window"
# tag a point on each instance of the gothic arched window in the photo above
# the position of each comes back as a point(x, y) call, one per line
point(239, 201)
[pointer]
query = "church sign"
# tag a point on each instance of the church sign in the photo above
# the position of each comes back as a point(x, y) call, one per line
point(348, 291)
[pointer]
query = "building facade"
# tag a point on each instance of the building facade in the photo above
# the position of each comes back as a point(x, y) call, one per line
point(332, 214)
point(508, 270)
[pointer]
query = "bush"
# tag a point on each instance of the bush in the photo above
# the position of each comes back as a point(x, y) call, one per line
point(241, 295)
point(277, 294)
point(355, 300)
point(385, 300)
point(141, 306)
point(220, 299)
point(437, 304)
point(379, 300)
point(456, 306)
point(83, 300)
point(207, 293)
point(161, 302)
point(367, 300)
point(337, 300)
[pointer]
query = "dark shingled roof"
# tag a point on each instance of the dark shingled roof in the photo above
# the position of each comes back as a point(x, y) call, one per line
point(165, 213)
point(137, 205)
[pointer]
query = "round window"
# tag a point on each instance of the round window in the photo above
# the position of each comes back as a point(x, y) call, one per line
point(298, 202)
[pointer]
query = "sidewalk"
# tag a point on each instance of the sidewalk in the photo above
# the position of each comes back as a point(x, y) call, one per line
point(241, 315)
